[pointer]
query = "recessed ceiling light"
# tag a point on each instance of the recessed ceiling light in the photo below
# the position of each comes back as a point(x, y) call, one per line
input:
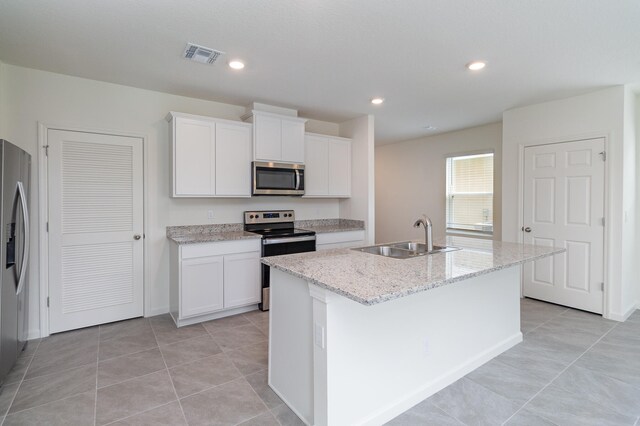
point(429, 127)
point(377, 101)
point(236, 65)
point(476, 65)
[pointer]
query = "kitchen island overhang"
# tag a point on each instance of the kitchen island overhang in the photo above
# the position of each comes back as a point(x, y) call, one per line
point(344, 352)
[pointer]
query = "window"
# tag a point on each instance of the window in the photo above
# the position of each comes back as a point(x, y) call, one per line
point(470, 193)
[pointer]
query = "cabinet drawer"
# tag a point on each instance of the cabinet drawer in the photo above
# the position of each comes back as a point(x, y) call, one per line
point(190, 251)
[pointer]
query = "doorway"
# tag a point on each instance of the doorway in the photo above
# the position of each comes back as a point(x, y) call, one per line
point(95, 228)
point(563, 199)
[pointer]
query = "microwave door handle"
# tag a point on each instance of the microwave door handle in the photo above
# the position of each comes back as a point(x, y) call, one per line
point(25, 246)
point(297, 179)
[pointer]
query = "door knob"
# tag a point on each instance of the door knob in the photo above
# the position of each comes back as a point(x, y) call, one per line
point(527, 229)
point(136, 237)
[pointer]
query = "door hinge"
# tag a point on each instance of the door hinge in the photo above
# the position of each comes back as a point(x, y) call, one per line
point(603, 221)
point(46, 150)
point(47, 301)
point(602, 286)
point(603, 154)
point(47, 226)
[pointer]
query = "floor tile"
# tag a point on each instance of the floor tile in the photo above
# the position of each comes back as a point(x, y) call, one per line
point(603, 359)
point(286, 417)
point(264, 419)
point(30, 348)
point(474, 404)
point(225, 323)
point(116, 370)
point(516, 384)
point(227, 404)
point(17, 372)
point(123, 328)
point(568, 335)
point(45, 389)
point(635, 317)
point(127, 343)
point(134, 396)
point(257, 317)
point(189, 350)
point(237, 337)
point(75, 410)
point(61, 360)
point(202, 374)
point(7, 393)
point(424, 413)
point(627, 335)
point(76, 338)
point(166, 415)
point(250, 359)
point(526, 417)
point(564, 408)
point(552, 347)
point(600, 389)
point(258, 382)
point(166, 331)
point(531, 359)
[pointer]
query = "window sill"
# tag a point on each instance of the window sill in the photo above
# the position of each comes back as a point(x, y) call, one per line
point(471, 234)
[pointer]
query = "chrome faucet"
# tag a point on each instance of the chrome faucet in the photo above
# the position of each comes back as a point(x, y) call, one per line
point(426, 222)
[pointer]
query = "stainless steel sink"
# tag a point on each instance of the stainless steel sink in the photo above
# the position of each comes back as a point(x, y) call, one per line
point(404, 250)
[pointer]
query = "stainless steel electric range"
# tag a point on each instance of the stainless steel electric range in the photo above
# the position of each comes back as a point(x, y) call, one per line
point(279, 236)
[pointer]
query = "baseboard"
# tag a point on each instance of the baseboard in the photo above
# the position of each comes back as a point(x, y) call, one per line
point(401, 405)
point(33, 334)
point(300, 416)
point(156, 311)
point(215, 315)
point(623, 317)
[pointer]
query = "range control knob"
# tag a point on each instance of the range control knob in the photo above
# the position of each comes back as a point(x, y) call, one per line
point(251, 217)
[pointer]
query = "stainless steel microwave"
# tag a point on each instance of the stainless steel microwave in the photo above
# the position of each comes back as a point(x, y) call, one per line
point(277, 178)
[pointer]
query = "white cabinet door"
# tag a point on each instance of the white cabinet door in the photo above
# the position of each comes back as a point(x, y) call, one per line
point(339, 167)
point(194, 151)
point(202, 286)
point(292, 141)
point(268, 137)
point(242, 284)
point(233, 160)
point(316, 166)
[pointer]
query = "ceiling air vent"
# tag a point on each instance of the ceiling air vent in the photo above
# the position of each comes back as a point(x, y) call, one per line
point(204, 55)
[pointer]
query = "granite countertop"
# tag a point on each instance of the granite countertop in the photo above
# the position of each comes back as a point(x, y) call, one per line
point(194, 234)
point(323, 226)
point(370, 279)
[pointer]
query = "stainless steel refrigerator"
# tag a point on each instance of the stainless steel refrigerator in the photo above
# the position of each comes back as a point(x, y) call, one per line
point(15, 167)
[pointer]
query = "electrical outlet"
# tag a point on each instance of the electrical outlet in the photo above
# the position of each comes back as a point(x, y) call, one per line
point(210, 214)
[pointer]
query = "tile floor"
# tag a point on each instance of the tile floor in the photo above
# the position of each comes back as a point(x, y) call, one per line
point(573, 368)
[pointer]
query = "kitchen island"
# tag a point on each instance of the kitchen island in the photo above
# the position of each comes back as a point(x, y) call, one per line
point(357, 338)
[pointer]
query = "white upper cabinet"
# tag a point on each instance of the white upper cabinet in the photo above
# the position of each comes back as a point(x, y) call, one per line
point(278, 138)
point(327, 166)
point(193, 157)
point(211, 157)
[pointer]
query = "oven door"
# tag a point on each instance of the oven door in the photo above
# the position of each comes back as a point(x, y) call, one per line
point(277, 247)
point(277, 178)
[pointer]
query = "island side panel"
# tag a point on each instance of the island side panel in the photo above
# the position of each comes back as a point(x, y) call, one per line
point(380, 360)
point(291, 344)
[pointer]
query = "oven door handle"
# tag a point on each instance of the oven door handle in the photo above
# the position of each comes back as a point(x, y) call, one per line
point(297, 179)
point(271, 241)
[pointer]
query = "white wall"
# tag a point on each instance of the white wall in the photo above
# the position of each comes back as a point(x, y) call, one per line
point(30, 96)
point(411, 180)
point(361, 205)
point(597, 114)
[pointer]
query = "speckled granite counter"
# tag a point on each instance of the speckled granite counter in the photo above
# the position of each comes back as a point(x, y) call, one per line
point(322, 226)
point(370, 279)
point(194, 234)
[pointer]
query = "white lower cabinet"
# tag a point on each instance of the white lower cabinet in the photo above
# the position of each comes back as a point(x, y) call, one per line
point(214, 280)
point(202, 286)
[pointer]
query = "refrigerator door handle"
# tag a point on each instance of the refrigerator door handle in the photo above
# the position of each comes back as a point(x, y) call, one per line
point(25, 249)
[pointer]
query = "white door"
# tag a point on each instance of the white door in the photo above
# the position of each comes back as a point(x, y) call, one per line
point(242, 284)
point(95, 229)
point(564, 207)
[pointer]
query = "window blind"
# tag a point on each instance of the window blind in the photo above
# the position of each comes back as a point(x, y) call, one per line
point(470, 193)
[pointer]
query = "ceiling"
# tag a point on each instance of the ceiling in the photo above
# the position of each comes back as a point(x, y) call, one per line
point(328, 58)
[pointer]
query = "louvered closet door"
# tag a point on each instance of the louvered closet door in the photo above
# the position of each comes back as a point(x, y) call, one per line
point(95, 220)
